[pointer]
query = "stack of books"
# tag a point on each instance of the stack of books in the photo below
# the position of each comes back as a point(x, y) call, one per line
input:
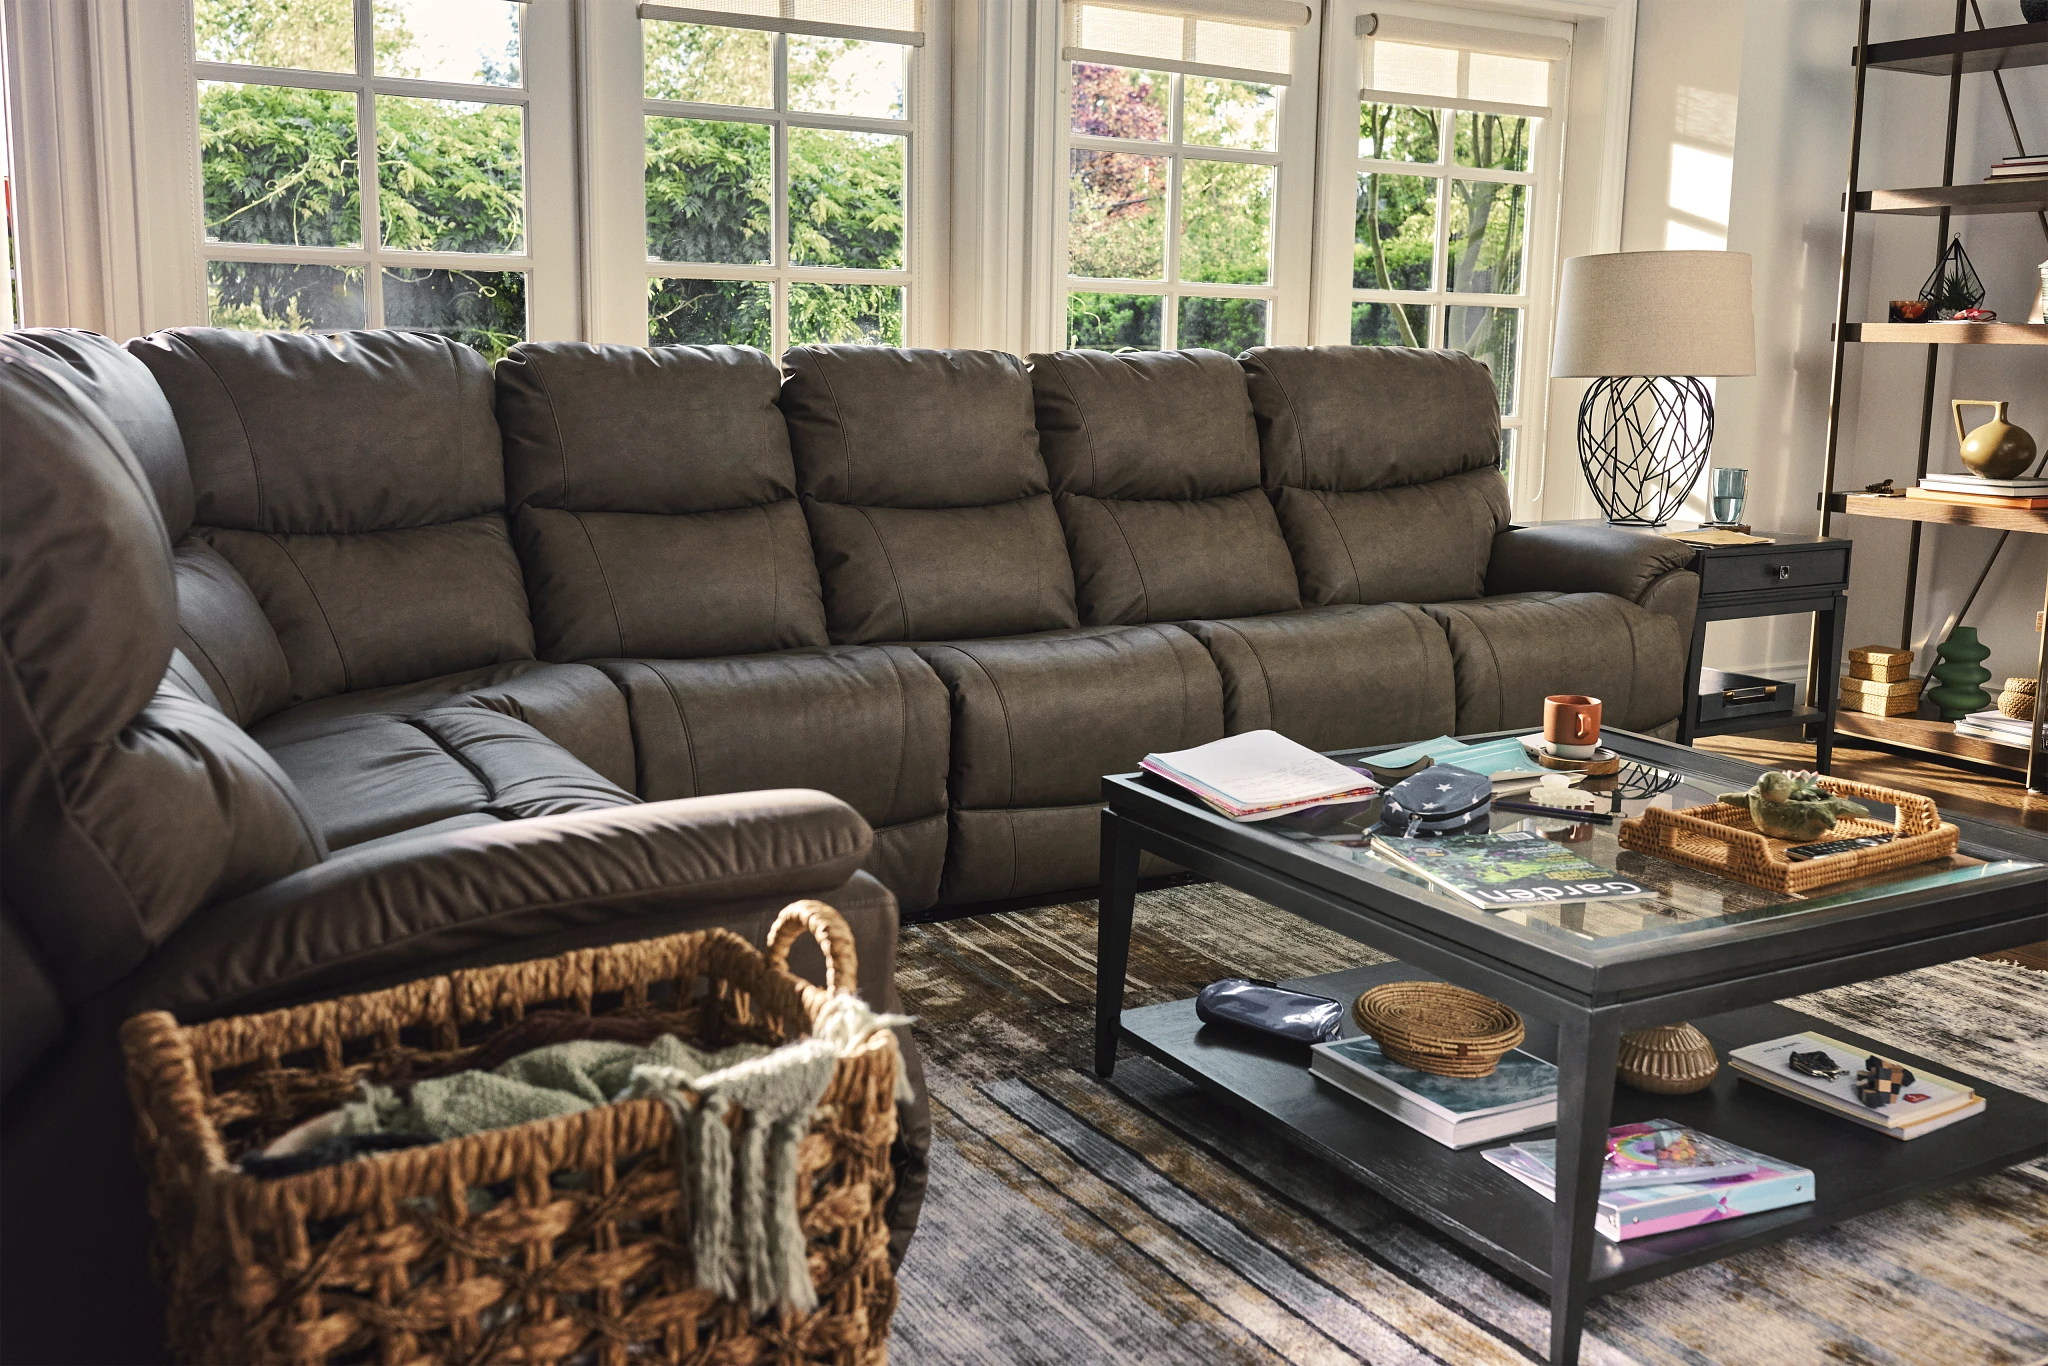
point(1520, 1093)
point(1969, 490)
point(1880, 682)
point(1259, 775)
point(1930, 1103)
point(1696, 1179)
point(1996, 725)
point(2019, 168)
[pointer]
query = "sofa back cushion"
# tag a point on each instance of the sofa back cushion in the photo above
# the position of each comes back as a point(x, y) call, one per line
point(1383, 467)
point(928, 504)
point(654, 503)
point(355, 480)
point(225, 636)
point(1154, 463)
point(128, 802)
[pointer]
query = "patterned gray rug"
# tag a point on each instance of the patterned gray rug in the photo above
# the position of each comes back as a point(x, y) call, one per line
point(1073, 1220)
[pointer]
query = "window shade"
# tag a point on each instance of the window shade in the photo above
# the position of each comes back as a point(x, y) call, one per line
point(876, 21)
point(1493, 70)
point(1247, 40)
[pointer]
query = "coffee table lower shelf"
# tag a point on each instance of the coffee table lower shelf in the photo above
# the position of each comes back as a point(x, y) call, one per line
point(1461, 1194)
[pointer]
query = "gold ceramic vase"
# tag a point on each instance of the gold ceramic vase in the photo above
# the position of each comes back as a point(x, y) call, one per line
point(1996, 450)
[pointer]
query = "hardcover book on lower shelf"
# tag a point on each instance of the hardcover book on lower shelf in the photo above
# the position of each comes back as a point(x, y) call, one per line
point(1520, 1093)
point(1639, 1211)
point(1930, 1103)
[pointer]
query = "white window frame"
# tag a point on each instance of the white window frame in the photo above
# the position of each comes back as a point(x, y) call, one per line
point(1293, 159)
point(545, 97)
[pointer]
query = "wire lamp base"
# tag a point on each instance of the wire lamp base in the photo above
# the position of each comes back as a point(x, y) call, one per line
point(1643, 444)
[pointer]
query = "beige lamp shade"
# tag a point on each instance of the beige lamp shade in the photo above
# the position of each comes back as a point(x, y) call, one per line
point(1655, 313)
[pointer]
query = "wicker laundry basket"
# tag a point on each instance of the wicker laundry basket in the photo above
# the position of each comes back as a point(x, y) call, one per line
point(563, 1240)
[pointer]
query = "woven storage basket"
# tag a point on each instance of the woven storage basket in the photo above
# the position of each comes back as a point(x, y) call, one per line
point(1436, 1027)
point(1721, 838)
point(559, 1240)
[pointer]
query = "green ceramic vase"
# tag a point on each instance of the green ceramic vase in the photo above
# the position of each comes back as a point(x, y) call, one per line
point(1961, 670)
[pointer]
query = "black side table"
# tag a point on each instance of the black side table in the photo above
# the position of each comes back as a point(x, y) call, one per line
point(1793, 574)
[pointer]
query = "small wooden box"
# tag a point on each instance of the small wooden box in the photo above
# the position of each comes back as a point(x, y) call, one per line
point(1904, 687)
point(1873, 705)
point(1880, 663)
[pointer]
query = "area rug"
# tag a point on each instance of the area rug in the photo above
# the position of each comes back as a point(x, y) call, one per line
point(1072, 1220)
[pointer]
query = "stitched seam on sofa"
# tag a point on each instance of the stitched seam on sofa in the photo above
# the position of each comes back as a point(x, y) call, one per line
point(774, 575)
point(561, 446)
point(206, 655)
point(541, 907)
point(255, 469)
point(1500, 682)
point(845, 435)
point(1009, 743)
point(1357, 579)
point(1265, 679)
point(682, 719)
point(475, 770)
point(903, 730)
point(1300, 442)
point(618, 626)
point(1094, 457)
point(902, 607)
point(1144, 589)
point(1409, 615)
point(334, 639)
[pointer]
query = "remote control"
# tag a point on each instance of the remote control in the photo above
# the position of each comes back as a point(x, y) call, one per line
point(1799, 853)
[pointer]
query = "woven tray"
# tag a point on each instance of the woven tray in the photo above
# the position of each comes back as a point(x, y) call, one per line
point(1722, 839)
point(1436, 1027)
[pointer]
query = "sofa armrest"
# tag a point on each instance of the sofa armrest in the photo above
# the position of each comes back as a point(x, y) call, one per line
point(406, 907)
point(1649, 570)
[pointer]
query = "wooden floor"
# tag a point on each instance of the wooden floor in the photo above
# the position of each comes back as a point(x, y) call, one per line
point(2001, 800)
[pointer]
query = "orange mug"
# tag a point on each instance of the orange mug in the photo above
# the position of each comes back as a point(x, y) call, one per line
point(1571, 725)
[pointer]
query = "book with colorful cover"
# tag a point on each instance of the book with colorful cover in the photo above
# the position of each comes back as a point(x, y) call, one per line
point(1507, 868)
point(1506, 762)
point(1639, 1211)
point(1931, 1102)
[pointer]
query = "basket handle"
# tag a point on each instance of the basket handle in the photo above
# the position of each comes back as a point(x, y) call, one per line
point(1917, 814)
point(829, 928)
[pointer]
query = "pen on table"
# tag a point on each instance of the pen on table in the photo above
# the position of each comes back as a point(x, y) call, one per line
point(1555, 813)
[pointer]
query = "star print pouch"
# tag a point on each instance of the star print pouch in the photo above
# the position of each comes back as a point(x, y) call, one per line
point(1444, 800)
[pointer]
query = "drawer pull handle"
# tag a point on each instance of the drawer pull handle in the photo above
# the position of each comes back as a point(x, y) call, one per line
point(1758, 694)
point(1784, 572)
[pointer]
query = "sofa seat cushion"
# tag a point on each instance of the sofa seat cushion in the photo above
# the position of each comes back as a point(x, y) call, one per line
point(1335, 677)
point(1037, 721)
point(366, 775)
point(1512, 651)
point(867, 724)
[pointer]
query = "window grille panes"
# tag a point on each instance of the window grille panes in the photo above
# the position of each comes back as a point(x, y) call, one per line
point(307, 223)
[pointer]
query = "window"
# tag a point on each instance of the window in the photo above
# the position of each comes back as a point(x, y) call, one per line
point(1174, 133)
point(368, 163)
point(782, 139)
point(1456, 190)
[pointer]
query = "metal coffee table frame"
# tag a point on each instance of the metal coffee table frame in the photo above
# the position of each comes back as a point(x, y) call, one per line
point(1593, 995)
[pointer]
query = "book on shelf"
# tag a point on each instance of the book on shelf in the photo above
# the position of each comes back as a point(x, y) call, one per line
point(1259, 775)
point(1640, 1210)
point(1971, 483)
point(1996, 725)
point(1506, 868)
point(1930, 1103)
point(2024, 503)
point(1520, 1093)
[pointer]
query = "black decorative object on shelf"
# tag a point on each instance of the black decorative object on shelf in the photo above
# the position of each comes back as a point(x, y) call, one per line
point(1953, 284)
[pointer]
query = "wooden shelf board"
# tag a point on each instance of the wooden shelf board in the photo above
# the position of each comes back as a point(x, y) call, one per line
point(1930, 737)
point(1949, 334)
point(1951, 514)
point(1993, 196)
point(1986, 49)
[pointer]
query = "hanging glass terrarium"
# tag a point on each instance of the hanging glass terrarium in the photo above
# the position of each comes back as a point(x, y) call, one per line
point(1953, 286)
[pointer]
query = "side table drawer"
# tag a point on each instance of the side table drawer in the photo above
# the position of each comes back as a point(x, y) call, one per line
point(1757, 573)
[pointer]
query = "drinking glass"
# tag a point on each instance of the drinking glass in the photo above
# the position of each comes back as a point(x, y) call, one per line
point(1730, 488)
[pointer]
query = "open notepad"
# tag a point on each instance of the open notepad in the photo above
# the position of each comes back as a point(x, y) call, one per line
point(1259, 775)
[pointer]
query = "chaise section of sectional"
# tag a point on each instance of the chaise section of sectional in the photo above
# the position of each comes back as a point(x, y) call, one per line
point(654, 509)
point(934, 526)
point(1154, 464)
point(1383, 467)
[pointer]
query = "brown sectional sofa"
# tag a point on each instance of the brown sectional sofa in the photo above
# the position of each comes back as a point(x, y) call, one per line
point(441, 666)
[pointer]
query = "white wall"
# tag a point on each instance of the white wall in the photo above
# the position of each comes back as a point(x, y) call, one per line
point(1787, 66)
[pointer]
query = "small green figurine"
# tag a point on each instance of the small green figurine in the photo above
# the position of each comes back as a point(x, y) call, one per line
point(1792, 806)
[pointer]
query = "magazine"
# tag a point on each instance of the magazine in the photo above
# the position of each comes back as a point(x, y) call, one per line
point(1641, 1210)
point(1507, 868)
point(1520, 1093)
point(1657, 1154)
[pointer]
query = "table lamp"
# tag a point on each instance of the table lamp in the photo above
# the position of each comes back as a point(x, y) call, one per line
point(1645, 325)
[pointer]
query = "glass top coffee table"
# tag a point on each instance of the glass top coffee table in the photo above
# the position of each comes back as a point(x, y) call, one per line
point(1702, 949)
